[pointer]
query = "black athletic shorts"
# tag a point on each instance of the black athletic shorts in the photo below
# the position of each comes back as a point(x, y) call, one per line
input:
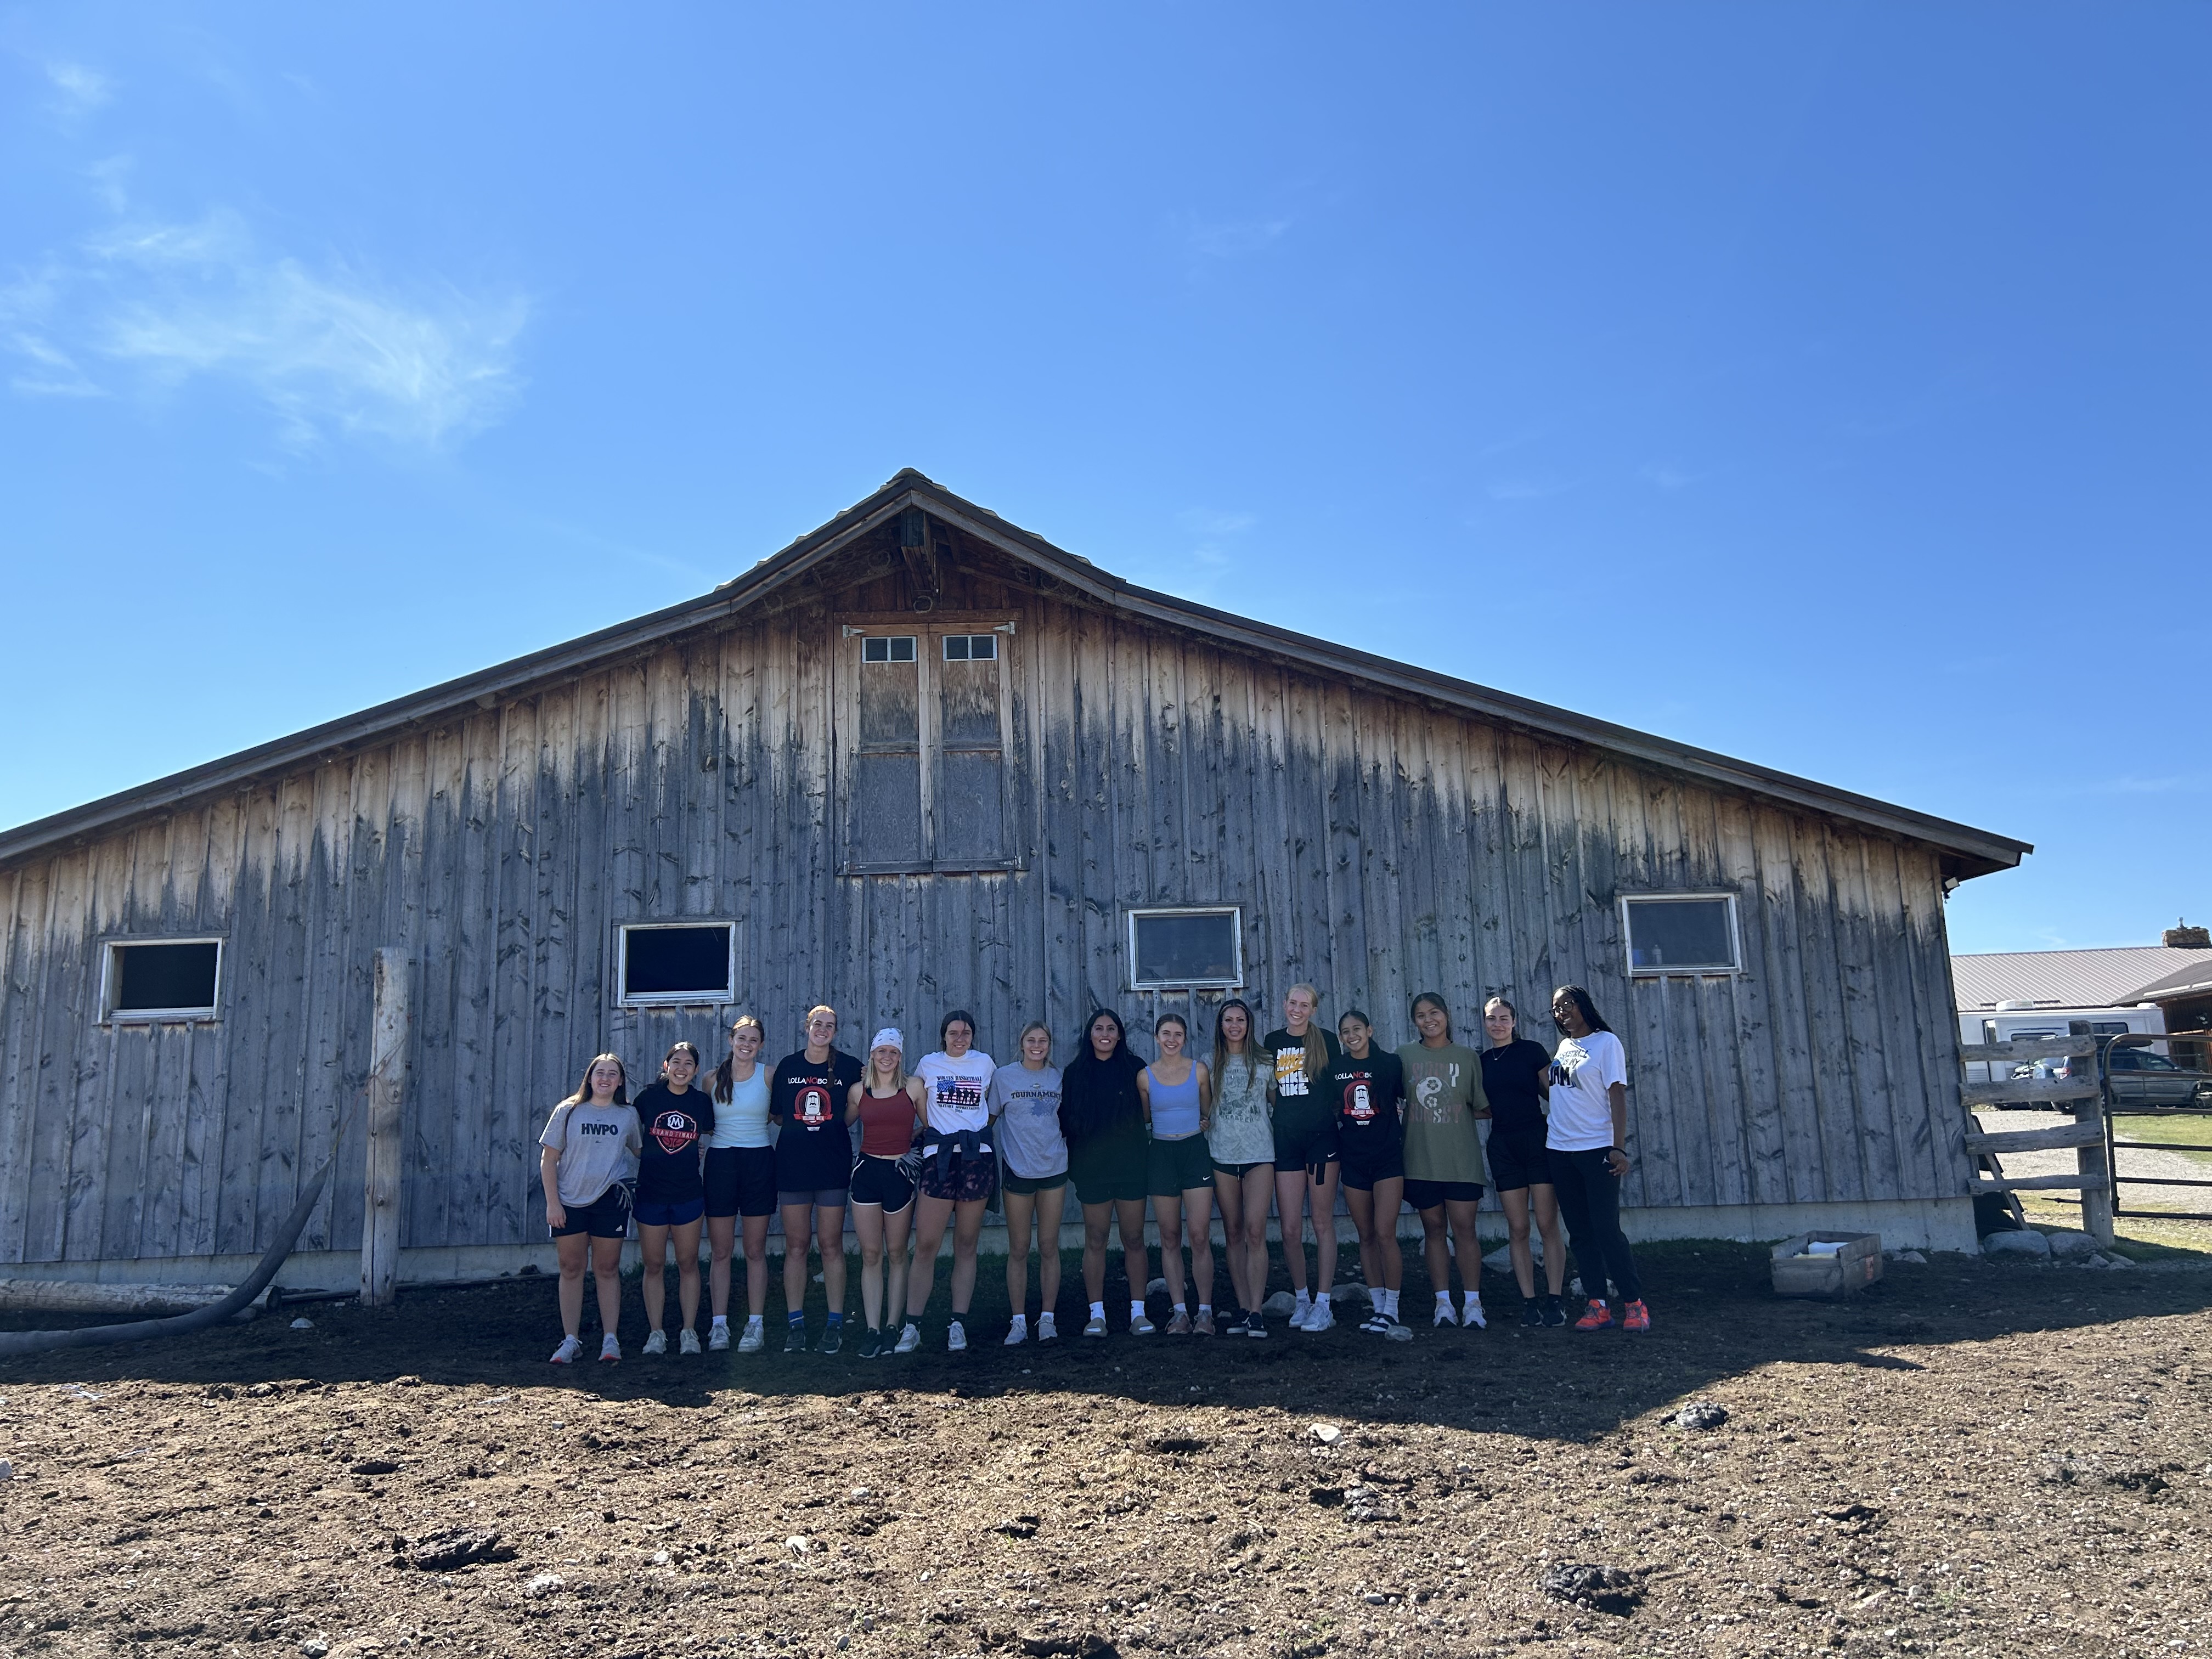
point(1428, 1195)
point(1517, 1160)
point(1305, 1145)
point(1360, 1174)
point(741, 1181)
point(606, 1215)
point(878, 1181)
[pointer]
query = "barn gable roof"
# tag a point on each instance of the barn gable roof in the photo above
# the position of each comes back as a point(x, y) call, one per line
point(1968, 852)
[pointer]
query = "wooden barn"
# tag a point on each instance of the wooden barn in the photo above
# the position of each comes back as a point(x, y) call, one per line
point(921, 759)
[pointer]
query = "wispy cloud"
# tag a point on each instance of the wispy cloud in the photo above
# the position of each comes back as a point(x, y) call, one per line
point(79, 90)
point(1525, 489)
point(328, 349)
point(1664, 476)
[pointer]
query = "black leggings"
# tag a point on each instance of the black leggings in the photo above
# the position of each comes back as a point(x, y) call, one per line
point(1590, 1203)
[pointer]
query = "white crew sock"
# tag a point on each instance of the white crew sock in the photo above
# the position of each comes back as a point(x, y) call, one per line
point(1305, 1299)
point(1180, 1308)
point(1206, 1307)
point(1136, 1308)
point(1321, 1298)
point(1098, 1310)
point(754, 1319)
point(1393, 1295)
point(722, 1318)
point(1472, 1299)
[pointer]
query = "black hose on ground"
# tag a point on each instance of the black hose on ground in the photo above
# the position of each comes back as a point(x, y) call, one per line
point(15, 1343)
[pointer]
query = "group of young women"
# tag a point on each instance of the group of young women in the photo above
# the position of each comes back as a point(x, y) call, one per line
point(1285, 1119)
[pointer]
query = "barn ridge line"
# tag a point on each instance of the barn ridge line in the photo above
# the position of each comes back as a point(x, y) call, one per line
point(1972, 851)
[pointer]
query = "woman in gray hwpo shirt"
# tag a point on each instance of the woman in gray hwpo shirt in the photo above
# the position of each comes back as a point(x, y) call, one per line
point(589, 1147)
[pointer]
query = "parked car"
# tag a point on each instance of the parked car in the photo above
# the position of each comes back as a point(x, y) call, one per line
point(2139, 1078)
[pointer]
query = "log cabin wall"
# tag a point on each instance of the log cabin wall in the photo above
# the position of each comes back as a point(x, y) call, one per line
point(1378, 846)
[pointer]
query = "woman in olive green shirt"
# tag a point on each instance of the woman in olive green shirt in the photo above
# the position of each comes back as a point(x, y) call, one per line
point(1444, 1172)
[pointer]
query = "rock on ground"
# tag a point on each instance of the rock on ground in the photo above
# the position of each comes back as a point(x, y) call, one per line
point(2021, 1241)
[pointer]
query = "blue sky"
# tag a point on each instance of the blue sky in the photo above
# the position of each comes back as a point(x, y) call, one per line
point(1822, 386)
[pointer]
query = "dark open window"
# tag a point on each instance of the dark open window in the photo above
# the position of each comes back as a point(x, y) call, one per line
point(172, 979)
point(927, 751)
point(1186, 948)
point(686, 963)
point(1681, 934)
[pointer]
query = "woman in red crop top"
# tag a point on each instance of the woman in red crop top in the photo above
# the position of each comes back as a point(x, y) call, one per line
point(887, 1104)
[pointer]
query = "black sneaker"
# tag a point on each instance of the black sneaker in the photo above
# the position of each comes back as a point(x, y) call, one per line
point(1532, 1313)
point(832, 1336)
point(1554, 1314)
point(1256, 1325)
point(795, 1341)
point(872, 1344)
point(1240, 1325)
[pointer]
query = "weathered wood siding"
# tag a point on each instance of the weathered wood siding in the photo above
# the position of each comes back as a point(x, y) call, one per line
point(1379, 848)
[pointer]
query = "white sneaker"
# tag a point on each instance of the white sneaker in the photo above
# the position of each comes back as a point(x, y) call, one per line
point(1323, 1318)
point(1019, 1334)
point(718, 1339)
point(910, 1338)
point(755, 1339)
point(610, 1349)
point(956, 1339)
point(657, 1343)
point(1444, 1315)
point(1472, 1314)
point(1299, 1314)
point(1046, 1333)
point(569, 1352)
point(689, 1342)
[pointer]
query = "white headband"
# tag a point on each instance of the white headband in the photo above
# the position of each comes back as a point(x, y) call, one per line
point(888, 1037)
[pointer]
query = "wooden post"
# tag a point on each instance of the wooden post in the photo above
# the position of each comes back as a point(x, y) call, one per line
point(387, 1094)
point(2095, 1167)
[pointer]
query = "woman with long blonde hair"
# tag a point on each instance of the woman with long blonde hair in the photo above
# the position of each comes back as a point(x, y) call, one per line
point(1301, 1054)
point(887, 1104)
point(589, 1147)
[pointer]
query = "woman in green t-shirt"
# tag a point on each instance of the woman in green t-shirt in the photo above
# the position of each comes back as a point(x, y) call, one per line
point(1444, 1172)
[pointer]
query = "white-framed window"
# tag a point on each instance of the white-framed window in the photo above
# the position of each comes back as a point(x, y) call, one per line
point(1681, 934)
point(1185, 947)
point(671, 964)
point(151, 979)
point(924, 706)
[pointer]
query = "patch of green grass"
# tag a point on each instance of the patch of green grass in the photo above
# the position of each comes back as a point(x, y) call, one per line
point(2137, 1237)
point(2185, 1129)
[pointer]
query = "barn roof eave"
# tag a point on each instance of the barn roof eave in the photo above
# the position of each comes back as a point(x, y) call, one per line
point(1968, 852)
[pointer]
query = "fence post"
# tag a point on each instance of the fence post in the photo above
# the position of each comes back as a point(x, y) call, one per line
point(387, 1094)
point(2095, 1169)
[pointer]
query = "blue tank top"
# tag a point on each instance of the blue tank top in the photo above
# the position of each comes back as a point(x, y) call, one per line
point(1175, 1107)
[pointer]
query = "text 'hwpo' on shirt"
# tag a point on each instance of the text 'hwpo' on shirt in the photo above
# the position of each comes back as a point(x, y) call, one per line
point(598, 1146)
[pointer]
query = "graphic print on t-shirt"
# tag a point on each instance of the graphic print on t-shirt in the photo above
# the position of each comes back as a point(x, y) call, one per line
point(1289, 1071)
point(957, 1093)
point(674, 1131)
point(1359, 1099)
point(810, 1103)
point(1428, 1093)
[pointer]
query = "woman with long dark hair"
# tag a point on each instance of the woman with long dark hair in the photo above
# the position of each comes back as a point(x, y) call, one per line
point(1584, 1146)
point(740, 1179)
point(958, 1170)
point(674, 1119)
point(1370, 1091)
point(1178, 1097)
point(1103, 1119)
point(589, 1151)
point(1443, 1156)
point(1516, 1081)
point(1025, 1103)
point(1243, 1143)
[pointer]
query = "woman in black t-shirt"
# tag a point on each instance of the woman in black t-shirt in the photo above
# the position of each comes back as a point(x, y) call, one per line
point(807, 1093)
point(1367, 1089)
point(674, 1119)
point(1515, 1077)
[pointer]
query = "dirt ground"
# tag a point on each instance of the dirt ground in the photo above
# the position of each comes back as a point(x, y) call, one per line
point(1974, 1457)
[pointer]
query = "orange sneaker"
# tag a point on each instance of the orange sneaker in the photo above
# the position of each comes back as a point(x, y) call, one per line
point(1635, 1317)
point(1597, 1317)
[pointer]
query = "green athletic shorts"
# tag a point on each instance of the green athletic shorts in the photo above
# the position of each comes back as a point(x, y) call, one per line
point(1174, 1167)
